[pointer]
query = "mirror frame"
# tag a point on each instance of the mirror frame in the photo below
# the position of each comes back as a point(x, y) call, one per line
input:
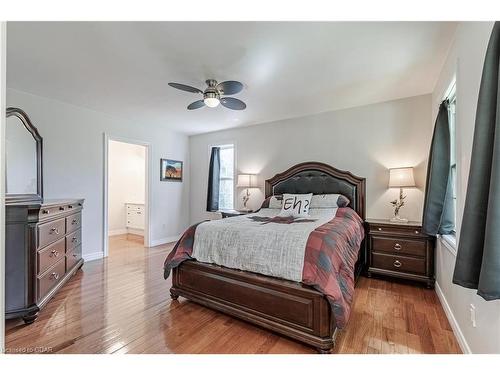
point(13, 198)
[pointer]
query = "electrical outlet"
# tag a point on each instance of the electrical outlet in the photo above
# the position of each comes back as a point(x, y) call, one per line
point(472, 310)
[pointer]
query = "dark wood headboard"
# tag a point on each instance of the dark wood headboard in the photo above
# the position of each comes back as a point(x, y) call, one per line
point(320, 178)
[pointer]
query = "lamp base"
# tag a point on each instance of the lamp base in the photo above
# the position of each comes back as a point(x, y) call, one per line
point(398, 219)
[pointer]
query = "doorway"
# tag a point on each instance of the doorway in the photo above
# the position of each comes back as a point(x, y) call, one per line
point(126, 193)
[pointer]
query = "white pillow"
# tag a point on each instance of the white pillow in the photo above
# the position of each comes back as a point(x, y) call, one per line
point(324, 201)
point(274, 202)
point(296, 205)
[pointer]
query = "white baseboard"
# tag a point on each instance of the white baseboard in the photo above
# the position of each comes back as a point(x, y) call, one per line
point(93, 256)
point(116, 232)
point(165, 240)
point(453, 322)
point(137, 232)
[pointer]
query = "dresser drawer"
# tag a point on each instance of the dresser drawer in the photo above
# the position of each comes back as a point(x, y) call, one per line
point(135, 207)
point(72, 257)
point(50, 278)
point(399, 246)
point(49, 255)
point(47, 212)
point(73, 240)
point(398, 263)
point(73, 222)
point(50, 232)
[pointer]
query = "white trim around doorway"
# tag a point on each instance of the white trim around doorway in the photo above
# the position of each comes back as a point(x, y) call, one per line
point(148, 195)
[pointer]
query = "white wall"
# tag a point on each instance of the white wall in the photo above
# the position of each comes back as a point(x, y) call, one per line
point(364, 140)
point(126, 181)
point(3, 44)
point(73, 164)
point(465, 60)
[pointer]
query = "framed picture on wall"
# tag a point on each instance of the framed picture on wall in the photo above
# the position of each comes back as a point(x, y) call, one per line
point(170, 170)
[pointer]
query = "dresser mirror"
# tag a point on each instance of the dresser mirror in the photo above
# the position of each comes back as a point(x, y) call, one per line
point(23, 167)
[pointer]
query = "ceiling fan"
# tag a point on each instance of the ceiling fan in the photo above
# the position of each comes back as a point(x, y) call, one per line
point(212, 94)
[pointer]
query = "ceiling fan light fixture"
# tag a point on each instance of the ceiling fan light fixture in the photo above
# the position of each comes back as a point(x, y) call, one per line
point(212, 94)
point(211, 102)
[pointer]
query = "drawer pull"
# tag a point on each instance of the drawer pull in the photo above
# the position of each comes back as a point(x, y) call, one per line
point(75, 255)
point(74, 239)
point(397, 264)
point(54, 276)
point(379, 228)
point(46, 212)
point(54, 231)
point(417, 232)
point(70, 206)
point(61, 208)
point(74, 221)
point(397, 246)
point(54, 253)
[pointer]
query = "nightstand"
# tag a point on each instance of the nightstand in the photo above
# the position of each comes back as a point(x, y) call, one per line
point(231, 213)
point(400, 250)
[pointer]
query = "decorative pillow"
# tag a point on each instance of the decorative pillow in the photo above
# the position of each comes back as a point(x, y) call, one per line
point(265, 203)
point(276, 201)
point(329, 201)
point(296, 205)
point(343, 201)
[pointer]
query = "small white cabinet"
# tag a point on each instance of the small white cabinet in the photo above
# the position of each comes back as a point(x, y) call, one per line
point(135, 215)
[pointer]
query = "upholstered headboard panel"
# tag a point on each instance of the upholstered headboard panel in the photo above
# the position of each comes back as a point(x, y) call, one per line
point(319, 178)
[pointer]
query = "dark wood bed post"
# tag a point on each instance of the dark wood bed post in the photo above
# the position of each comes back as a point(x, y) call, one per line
point(292, 309)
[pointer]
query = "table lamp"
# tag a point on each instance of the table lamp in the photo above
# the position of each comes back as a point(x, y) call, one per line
point(247, 181)
point(400, 178)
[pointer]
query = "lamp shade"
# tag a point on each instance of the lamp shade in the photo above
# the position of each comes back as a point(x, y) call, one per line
point(247, 180)
point(401, 177)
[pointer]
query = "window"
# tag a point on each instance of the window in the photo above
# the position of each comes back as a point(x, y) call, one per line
point(226, 179)
point(452, 101)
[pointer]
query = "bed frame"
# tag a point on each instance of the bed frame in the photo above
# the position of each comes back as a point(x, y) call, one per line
point(289, 308)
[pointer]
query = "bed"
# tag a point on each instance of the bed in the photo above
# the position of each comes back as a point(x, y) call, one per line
point(289, 308)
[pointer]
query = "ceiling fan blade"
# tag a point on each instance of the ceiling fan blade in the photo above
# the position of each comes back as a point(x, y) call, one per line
point(233, 103)
point(230, 87)
point(187, 88)
point(197, 104)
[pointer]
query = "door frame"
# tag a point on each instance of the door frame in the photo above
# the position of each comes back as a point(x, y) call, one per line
point(147, 194)
point(3, 118)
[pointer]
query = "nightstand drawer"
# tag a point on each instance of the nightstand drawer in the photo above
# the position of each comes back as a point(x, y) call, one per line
point(382, 229)
point(398, 263)
point(398, 246)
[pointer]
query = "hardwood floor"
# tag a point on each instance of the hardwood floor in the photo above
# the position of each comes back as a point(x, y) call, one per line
point(122, 305)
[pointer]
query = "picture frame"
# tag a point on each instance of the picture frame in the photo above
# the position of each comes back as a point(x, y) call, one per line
point(171, 170)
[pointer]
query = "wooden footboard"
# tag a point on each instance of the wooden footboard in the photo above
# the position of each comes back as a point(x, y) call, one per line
point(291, 309)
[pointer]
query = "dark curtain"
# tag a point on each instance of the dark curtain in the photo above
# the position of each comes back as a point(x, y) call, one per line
point(213, 180)
point(478, 258)
point(438, 216)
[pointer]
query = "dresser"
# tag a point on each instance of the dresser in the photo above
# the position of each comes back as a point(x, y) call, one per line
point(135, 217)
point(43, 250)
point(400, 250)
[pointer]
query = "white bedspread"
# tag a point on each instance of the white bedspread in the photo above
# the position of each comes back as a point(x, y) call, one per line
point(272, 249)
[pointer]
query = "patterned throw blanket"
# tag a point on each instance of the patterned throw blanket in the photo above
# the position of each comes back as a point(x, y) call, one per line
point(330, 254)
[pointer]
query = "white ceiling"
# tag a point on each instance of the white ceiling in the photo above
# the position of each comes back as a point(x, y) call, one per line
point(289, 69)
